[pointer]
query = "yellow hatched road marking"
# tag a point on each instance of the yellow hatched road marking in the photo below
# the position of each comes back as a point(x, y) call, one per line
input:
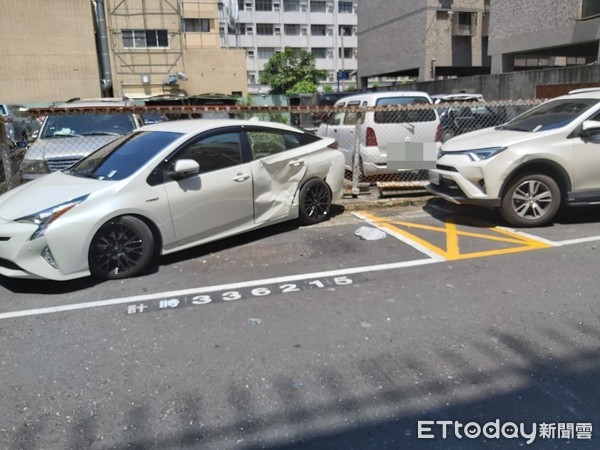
point(453, 234)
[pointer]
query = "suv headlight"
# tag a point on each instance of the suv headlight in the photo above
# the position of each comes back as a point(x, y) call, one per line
point(481, 154)
point(34, 166)
point(44, 218)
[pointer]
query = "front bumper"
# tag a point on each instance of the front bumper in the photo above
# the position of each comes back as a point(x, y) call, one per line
point(455, 188)
point(21, 257)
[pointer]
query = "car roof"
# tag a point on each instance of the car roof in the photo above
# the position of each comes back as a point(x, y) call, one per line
point(583, 93)
point(95, 102)
point(197, 125)
point(383, 94)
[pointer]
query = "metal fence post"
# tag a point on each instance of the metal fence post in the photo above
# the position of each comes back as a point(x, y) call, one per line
point(356, 163)
point(6, 162)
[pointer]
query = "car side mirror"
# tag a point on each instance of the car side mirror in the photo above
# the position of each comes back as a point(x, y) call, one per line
point(590, 129)
point(184, 168)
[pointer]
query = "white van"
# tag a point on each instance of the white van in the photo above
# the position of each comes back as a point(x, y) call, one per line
point(381, 128)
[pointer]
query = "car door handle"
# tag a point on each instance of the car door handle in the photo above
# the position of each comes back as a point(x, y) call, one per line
point(296, 162)
point(241, 177)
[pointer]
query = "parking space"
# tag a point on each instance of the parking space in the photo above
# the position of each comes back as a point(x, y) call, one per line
point(285, 260)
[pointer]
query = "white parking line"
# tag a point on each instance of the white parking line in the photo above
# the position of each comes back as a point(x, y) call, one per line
point(433, 258)
point(204, 289)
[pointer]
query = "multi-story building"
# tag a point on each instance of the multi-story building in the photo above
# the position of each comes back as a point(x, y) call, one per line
point(541, 34)
point(423, 39)
point(326, 28)
point(137, 48)
point(165, 46)
point(433, 39)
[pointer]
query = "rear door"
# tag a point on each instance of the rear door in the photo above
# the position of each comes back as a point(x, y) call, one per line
point(280, 163)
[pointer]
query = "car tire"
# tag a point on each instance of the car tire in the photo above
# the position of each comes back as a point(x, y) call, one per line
point(121, 248)
point(531, 200)
point(314, 201)
point(448, 134)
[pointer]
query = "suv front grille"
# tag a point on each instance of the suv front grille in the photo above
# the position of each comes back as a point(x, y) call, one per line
point(55, 164)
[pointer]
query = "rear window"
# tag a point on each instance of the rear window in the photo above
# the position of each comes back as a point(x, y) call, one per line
point(404, 116)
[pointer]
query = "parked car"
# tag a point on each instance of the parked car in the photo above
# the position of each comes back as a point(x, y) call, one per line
point(66, 138)
point(163, 188)
point(459, 119)
point(20, 127)
point(311, 120)
point(458, 97)
point(380, 128)
point(527, 168)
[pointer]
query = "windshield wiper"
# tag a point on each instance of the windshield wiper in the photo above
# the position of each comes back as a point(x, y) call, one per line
point(101, 133)
point(504, 127)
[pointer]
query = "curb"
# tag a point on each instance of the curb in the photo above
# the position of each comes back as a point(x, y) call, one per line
point(372, 199)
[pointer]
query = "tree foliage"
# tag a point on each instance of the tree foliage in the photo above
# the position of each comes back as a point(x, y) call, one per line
point(292, 72)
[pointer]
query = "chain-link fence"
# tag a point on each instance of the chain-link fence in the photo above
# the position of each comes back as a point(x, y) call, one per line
point(365, 135)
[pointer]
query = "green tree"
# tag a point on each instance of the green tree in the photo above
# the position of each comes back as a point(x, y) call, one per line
point(292, 72)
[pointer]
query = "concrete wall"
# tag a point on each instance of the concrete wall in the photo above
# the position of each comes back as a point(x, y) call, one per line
point(518, 26)
point(515, 85)
point(48, 51)
point(391, 36)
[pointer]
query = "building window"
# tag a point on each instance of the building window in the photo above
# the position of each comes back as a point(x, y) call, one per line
point(291, 5)
point(240, 5)
point(145, 38)
point(317, 7)
point(590, 8)
point(263, 5)
point(264, 29)
point(196, 25)
point(241, 29)
point(291, 29)
point(318, 30)
point(319, 52)
point(348, 53)
point(266, 52)
point(345, 30)
point(345, 7)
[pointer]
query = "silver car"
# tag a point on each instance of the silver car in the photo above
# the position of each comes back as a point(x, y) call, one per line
point(164, 188)
point(65, 138)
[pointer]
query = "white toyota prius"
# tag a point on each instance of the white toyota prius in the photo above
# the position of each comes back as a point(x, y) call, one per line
point(164, 188)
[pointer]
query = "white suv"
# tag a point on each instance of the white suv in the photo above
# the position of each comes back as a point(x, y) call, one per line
point(64, 139)
point(530, 166)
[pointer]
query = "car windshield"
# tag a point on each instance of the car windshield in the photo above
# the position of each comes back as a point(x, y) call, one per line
point(122, 157)
point(554, 114)
point(88, 125)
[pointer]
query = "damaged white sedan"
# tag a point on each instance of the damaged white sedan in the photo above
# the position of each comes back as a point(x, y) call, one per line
point(164, 188)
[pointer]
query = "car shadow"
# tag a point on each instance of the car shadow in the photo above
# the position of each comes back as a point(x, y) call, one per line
point(481, 217)
point(235, 241)
point(29, 286)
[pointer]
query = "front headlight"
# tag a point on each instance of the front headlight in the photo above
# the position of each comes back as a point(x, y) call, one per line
point(34, 166)
point(44, 218)
point(481, 154)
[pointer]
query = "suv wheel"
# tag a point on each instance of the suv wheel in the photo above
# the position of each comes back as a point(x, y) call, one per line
point(531, 200)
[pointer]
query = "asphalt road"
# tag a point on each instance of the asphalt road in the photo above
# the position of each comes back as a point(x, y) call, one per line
point(310, 337)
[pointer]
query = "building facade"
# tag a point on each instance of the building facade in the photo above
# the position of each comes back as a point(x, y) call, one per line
point(444, 39)
point(423, 39)
point(134, 48)
point(326, 28)
point(541, 34)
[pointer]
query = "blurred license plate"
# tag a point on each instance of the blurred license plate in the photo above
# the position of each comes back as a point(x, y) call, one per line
point(434, 177)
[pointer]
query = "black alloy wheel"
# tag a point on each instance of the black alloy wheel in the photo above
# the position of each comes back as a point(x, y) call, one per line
point(315, 201)
point(122, 247)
